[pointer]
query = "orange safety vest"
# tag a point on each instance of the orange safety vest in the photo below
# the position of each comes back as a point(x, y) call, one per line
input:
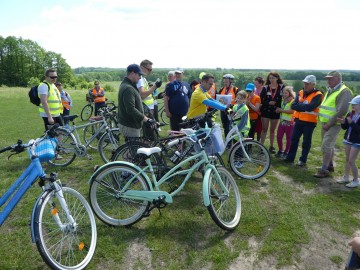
point(232, 91)
point(212, 91)
point(308, 116)
point(98, 99)
point(66, 104)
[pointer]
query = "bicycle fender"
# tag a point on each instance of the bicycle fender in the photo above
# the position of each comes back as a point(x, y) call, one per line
point(205, 187)
point(34, 213)
point(109, 164)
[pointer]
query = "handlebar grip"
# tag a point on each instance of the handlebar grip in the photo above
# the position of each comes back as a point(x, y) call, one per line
point(5, 149)
point(173, 142)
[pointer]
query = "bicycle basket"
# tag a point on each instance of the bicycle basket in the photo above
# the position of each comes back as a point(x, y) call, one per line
point(215, 142)
point(45, 149)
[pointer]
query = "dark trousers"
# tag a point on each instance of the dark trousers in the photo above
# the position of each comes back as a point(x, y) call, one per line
point(306, 130)
point(225, 122)
point(253, 124)
point(175, 120)
point(57, 119)
point(98, 106)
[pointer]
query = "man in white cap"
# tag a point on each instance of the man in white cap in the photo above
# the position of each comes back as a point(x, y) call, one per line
point(335, 104)
point(177, 99)
point(306, 107)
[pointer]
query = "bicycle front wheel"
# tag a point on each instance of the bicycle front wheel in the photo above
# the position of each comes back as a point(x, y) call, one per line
point(86, 112)
point(253, 167)
point(108, 144)
point(106, 199)
point(65, 149)
point(64, 244)
point(225, 203)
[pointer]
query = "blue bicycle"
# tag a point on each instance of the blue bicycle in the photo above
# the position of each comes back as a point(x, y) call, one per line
point(62, 223)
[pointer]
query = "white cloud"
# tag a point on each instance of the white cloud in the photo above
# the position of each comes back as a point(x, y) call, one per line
point(229, 33)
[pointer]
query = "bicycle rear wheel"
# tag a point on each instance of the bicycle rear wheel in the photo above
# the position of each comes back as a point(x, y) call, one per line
point(106, 199)
point(225, 203)
point(163, 116)
point(108, 144)
point(61, 243)
point(86, 112)
point(65, 149)
point(253, 168)
point(128, 152)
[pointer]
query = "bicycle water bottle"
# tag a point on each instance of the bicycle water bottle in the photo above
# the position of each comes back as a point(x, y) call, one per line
point(175, 157)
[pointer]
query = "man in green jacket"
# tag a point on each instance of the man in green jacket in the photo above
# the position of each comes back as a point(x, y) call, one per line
point(130, 107)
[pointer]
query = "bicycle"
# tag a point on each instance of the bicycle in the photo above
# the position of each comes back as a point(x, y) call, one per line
point(70, 145)
point(171, 150)
point(249, 159)
point(88, 109)
point(122, 193)
point(62, 224)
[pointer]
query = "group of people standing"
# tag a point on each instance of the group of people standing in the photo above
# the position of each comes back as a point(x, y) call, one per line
point(263, 105)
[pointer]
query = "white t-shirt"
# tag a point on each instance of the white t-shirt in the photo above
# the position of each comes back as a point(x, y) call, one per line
point(143, 82)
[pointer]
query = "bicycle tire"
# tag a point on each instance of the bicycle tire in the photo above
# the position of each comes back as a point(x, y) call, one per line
point(89, 131)
point(127, 152)
point(225, 205)
point(65, 149)
point(163, 116)
point(252, 169)
point(105, 195)
point(108, 144)
point(71, 247)
point(86, 112)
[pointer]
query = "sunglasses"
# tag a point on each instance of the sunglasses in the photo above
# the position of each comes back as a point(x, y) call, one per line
point(53, 77)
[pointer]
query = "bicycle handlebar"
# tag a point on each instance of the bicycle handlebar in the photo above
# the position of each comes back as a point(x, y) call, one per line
point(20, 147)
point(197, 121)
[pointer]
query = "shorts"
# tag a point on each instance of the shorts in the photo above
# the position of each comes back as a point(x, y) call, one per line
point(354, 145)
point(129, 131)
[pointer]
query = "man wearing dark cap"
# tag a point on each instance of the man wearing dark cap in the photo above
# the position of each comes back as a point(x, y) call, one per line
point(130, 109)
point(335, 104)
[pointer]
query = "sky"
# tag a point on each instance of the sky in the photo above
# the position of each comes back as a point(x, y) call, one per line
point(255, 34)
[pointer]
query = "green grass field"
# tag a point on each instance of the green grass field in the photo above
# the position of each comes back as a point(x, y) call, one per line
point(290, 219)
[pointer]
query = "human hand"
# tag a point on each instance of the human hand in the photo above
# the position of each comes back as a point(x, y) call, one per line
point(340, 120)
point(168, 114)
point(272, 103)
point(355, 244)
point(278, 110)
point(349, 120)
point(150, 123)
point(158, 83)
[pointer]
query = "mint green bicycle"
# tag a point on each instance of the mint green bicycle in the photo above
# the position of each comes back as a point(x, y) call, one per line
point(122, 193)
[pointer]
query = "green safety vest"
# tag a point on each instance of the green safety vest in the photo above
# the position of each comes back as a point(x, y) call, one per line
point(149, 99)
point(244, 110)
point(54, 102)
point(286, 116)
point(328, 105)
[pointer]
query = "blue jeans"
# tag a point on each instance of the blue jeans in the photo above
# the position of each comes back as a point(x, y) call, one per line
point(306, 130)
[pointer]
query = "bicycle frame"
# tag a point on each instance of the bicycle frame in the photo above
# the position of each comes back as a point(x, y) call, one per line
point(19, 188)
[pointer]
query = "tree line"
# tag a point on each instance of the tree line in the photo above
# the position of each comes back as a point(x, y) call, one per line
point(23, 62)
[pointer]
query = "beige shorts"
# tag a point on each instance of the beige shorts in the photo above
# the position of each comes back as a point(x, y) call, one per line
point(129, 132)
point(329, 138)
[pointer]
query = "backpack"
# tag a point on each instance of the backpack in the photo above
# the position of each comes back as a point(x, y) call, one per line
point(34, 95)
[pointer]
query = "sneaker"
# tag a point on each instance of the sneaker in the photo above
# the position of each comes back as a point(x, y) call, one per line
point(331, 168)
point(58, 157)
point(272, 150)
point(353, 184)
point(238, 165)
point(343, 180)
point(322, 173)
point(301, 164)
point(279, 154)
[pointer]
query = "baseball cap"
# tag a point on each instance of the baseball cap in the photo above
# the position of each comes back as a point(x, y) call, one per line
point(250, 87)
point(179, 70)
point(333, 73)
point(134, 68)
point(310, 79)
point(355, 100)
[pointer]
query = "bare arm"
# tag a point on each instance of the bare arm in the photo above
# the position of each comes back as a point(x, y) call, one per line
point(166, 106)
point(45, 105)
point(144, 93)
